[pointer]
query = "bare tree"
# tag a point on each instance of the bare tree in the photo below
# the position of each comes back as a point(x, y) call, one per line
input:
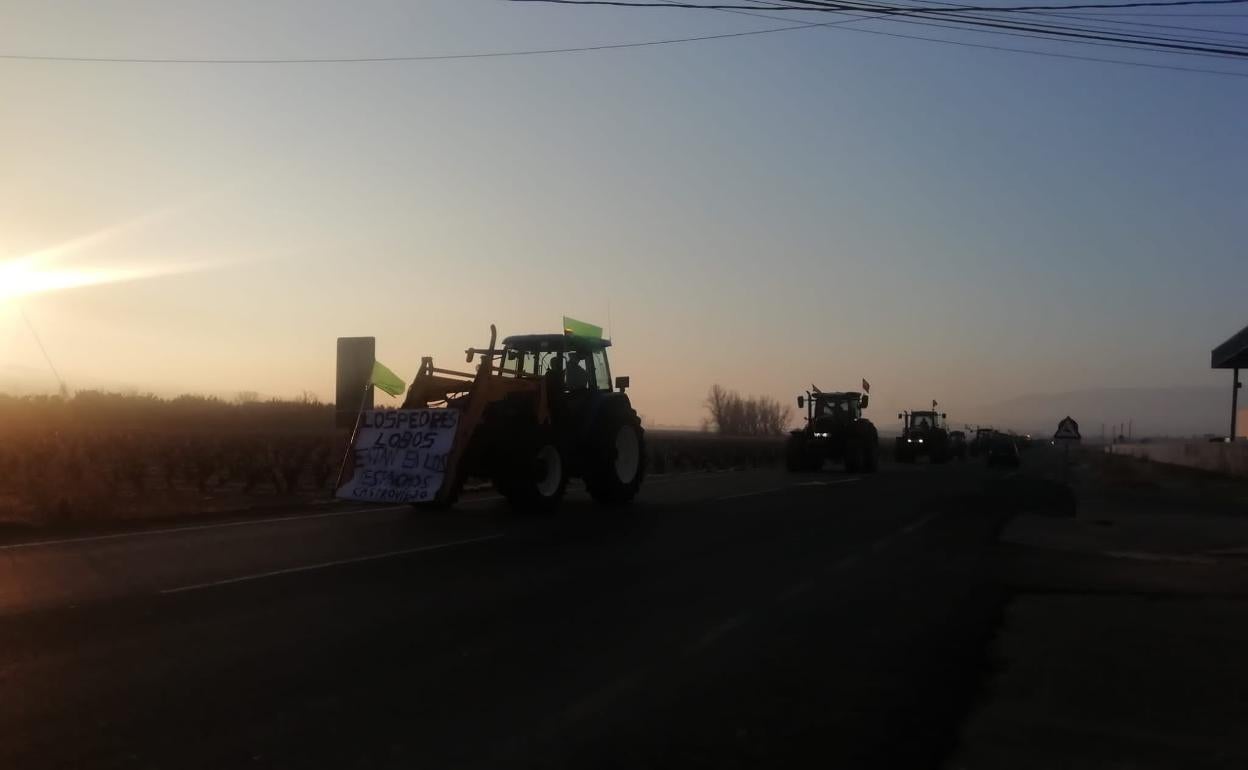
point(734, 415)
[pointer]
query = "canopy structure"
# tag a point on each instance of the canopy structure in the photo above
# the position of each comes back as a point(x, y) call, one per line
point(1233, 355)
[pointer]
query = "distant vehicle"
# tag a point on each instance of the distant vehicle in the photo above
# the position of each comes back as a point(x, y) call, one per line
point(923, 434)
point(835, 430)
point(1002, 451)
point(979, 444)
point(957, 444)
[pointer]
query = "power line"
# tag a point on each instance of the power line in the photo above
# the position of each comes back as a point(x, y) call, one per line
point(1142, 38)
point(956, 15)
point(1140, 41)
point(618, 46)
point(415, 58)
point(1006, 49)
point(954, 26)
point(996, 8)
point(1119, 22)
point(1136, 4)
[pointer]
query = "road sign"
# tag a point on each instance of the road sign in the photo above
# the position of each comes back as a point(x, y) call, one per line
point(356, 356)
point(1067, 430)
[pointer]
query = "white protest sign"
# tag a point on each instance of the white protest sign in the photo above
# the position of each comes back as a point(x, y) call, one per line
point(399, 455)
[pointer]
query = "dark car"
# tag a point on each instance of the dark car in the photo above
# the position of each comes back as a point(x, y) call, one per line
point(1002, 452)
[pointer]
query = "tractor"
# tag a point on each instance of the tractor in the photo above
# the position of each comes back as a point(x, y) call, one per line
point(923, 434)
point(540, 410)
point(835, 430)
point(979, 444)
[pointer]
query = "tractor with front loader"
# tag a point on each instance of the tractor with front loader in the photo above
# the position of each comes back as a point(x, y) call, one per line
point(539, 410)
point(835, 430)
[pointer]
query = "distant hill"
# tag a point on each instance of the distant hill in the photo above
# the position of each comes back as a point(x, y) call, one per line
point(1176, 411)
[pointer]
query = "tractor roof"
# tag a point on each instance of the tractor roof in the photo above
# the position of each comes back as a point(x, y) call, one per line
point(555, 342)
point(843, 395)
point(923, 414)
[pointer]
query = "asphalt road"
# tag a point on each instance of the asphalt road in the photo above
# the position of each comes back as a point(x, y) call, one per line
point(735, 619)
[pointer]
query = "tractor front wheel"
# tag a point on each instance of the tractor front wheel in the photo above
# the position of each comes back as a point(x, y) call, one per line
point(532, 475)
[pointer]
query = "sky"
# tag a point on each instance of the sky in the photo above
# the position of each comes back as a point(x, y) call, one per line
point(762, 212)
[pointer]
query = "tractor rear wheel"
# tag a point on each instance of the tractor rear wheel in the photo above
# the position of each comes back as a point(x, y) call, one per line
point(795, 459)
point(617, 457)
point(531, 473)
point(854, 459)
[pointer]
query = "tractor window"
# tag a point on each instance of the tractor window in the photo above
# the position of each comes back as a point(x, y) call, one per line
point(602, 371)
point(513, 360)
point(577, 371)
point(848, 408)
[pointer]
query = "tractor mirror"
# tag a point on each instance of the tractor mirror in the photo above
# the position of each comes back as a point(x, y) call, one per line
point(944, 416)
point(862, 404)
point(622, 383)
point(801, 402)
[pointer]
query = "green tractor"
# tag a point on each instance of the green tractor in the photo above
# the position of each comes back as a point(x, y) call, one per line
point(923, 434)
point(835, 430)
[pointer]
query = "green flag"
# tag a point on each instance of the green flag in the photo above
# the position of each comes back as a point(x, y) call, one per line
point(386, 379)
point(580, 328)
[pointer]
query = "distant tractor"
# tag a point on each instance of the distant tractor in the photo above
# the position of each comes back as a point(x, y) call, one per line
point(923, 434)
point(538, 411)
point(957, 444)
point(835, 430)
point(979, 444)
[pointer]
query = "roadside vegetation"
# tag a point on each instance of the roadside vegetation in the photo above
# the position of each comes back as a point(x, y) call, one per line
point(732, 414)
point(98, 456)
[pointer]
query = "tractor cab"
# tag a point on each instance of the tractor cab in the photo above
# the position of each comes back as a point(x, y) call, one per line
point(568, 362)
point(822, 406)
point(922, 422)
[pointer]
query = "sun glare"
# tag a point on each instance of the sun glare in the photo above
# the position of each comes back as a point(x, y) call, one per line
point(21, 277)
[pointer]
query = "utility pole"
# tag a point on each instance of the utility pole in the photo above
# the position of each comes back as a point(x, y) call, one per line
point(1235, 386)
point(1130, 429)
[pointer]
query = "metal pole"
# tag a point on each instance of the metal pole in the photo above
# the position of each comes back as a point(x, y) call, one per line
point(1234, 399)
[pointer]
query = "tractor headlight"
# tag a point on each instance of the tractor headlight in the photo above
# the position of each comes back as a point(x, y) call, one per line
point(909, 441)
point(919, 440)
point(821, 435)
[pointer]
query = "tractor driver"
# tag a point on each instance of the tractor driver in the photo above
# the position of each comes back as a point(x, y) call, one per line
point(833, 409)
point(577, 377)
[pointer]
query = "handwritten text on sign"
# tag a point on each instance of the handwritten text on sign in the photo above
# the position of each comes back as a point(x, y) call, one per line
point(399, 455)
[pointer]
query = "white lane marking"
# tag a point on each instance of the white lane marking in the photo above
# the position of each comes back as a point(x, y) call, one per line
point(713, 635)
point(796, 590)
point(827, 483)
point(326, 564)
point(849, 561)
point(911, 528)
point(197, 527)
point(787, 486)
point(225, 525)
point(1160, 557)
point(853, 559)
